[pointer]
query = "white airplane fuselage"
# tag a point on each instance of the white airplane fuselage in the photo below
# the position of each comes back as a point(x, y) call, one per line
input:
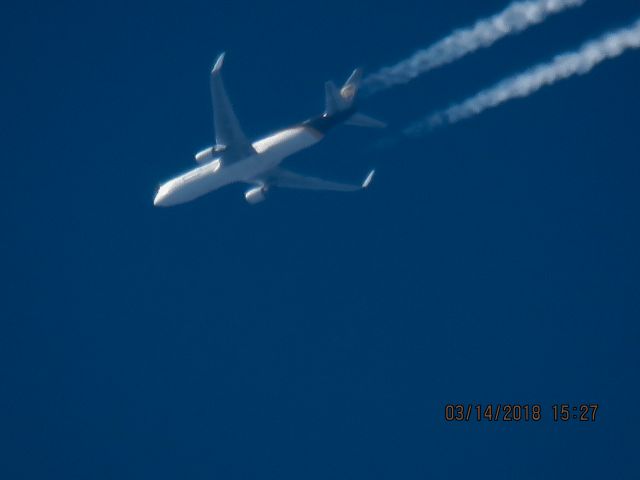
point(234, 159)
point(270, 152)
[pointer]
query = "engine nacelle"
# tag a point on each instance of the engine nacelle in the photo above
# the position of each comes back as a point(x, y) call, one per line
point(255, 195)
point(209, 154)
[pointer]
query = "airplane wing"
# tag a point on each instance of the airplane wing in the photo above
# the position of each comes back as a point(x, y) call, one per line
point(229, 135)
point(286, 179)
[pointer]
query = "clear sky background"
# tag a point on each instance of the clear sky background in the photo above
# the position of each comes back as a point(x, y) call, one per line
point(316, 335)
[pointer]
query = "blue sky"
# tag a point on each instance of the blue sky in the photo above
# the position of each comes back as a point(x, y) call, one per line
point(316, 335)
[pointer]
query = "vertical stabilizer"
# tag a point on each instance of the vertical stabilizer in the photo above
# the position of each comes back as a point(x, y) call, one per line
point(333, 101)
point(339, 105)
point(350, 88)
point(343, 99)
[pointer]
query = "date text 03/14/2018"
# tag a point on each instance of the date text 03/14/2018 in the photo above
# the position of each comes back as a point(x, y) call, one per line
point(510, 412)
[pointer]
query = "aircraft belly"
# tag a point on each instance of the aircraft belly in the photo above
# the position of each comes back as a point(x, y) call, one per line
point(196, 188)
point(196, 183)
point(270, 151)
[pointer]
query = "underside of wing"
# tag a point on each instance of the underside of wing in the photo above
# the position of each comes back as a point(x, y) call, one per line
point(286, 179)
point(230, 138)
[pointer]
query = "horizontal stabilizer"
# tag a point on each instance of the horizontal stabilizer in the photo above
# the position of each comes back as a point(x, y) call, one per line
point(362, 120)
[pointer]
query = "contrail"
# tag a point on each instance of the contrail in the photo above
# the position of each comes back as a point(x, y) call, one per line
point(579, 62)
point(514, 19)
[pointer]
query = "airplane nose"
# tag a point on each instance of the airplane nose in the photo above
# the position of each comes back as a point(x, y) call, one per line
point(161, 196)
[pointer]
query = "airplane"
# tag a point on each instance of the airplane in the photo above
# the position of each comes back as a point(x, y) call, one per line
point(233, 159)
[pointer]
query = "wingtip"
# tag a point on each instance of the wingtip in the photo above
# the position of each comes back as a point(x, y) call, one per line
point(218, 65)
point(369, 179)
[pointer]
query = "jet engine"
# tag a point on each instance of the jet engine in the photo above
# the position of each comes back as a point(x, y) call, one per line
point(209, 154)
point(256, 194)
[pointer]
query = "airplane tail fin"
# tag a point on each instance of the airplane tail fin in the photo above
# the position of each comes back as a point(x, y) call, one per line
point(333, 101)
point(337, 101)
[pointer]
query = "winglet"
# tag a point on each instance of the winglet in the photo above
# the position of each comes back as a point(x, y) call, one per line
point(367, 181)
point(218, 64)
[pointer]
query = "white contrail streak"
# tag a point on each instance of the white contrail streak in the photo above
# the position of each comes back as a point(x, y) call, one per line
point(514, 19)
point(579, 62)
